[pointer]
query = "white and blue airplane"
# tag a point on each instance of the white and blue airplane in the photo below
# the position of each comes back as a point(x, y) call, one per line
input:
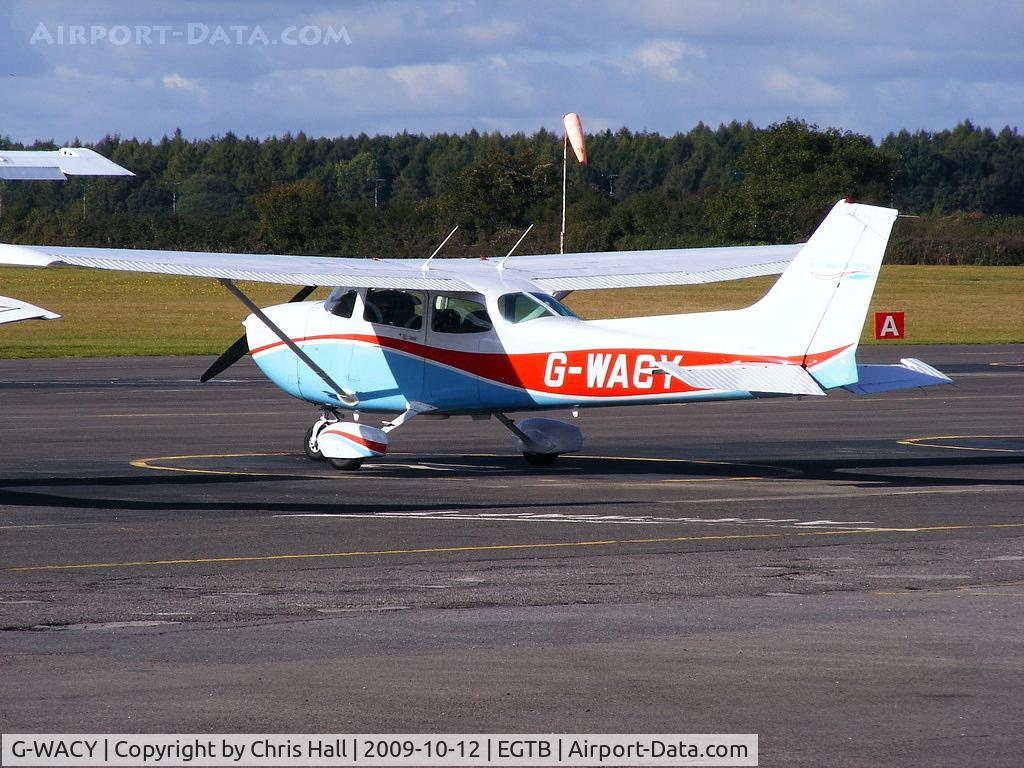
point(487, 337)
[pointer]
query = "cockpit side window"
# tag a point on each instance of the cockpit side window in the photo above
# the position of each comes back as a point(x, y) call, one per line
point(553, 304)
point(453, 314)
point(341, 301)
point(523, 307)
point(402, 309)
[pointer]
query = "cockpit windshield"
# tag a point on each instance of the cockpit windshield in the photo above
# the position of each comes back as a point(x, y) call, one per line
point(341, 301)
point(522, 307)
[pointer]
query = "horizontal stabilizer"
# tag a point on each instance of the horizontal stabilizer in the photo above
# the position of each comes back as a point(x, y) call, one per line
point(910, 373)
point(12, 310)
point(775, 378)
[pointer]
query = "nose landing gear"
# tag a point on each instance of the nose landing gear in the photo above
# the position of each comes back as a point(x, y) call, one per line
point(345, 445)
point(311, 445)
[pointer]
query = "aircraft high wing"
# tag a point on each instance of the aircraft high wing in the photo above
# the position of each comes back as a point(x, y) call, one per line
point(484, 337)
point(551, 273)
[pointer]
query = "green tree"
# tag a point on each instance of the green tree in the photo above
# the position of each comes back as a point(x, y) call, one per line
point(790, 174)
point(497, 190)
point(292, 214)
point(355, 178)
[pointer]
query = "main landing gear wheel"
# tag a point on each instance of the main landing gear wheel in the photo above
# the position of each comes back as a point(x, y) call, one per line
point(314, 455)
point(345, 464)
point(540, 459)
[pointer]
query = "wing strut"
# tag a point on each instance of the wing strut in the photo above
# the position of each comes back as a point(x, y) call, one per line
point(348, 398)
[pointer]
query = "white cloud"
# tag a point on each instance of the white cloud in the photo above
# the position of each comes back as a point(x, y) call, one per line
point(661, 57)
point(175, 82)
point(801, 89)
point(431, 83)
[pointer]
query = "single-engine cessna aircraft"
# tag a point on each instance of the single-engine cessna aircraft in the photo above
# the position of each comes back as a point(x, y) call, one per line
point(446, 337)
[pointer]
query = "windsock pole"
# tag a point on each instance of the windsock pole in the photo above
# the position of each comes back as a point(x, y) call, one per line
point(565, 167)
point(573, 135)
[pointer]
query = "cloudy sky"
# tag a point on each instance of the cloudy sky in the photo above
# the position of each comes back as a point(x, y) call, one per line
point(261, 68)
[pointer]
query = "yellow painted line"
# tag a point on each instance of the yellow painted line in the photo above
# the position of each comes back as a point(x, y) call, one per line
point(150, 414)
point(917, 442)
point(150, 463)
point(500, 547)
point(183, 412)
point(145, 464)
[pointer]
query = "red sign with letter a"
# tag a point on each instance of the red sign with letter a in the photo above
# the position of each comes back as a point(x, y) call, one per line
point(888, 325)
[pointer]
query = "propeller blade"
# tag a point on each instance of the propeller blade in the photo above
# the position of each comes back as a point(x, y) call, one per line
point(229, 357)
point(237, 351)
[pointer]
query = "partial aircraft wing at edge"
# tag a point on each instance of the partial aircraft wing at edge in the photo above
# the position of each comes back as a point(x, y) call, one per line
point(13, 311)
point(56, 165)
point(549, 272)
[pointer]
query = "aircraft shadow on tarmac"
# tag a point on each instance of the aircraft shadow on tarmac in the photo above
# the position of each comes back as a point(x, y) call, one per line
point(193, 490)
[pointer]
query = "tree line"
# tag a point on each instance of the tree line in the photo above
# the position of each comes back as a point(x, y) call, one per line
point(396, 196)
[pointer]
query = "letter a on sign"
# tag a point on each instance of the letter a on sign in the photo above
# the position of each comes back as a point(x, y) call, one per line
point(888, 325)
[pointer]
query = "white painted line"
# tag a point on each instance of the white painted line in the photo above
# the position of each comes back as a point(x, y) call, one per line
point(585, 519)
point(917, 576)
point(860, 492)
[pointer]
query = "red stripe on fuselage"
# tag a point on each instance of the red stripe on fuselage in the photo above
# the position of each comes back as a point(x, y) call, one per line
point(608, 372)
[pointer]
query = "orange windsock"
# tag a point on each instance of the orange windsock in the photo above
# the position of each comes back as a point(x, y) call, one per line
point(574, 131)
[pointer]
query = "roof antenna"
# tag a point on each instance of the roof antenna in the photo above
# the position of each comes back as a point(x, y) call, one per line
point(501, 264)
point(426, 264)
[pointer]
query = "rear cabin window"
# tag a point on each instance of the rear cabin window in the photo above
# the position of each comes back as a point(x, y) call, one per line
point(402, 309)
point(453, 314)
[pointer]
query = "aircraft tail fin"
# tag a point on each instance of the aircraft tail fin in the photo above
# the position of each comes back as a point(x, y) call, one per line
point(819, 303)
point(802, 336)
